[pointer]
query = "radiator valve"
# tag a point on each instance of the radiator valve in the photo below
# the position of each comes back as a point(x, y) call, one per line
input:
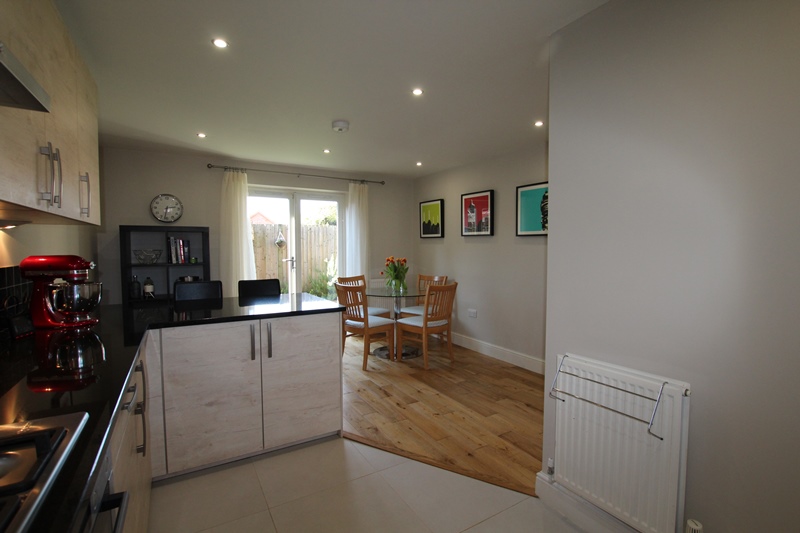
point(693, 526)
point(550, 467)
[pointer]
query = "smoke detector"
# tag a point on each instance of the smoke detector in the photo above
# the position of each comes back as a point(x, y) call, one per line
point(340, 126)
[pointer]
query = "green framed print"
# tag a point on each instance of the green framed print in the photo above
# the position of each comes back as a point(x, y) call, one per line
point(532, 209)
point(431, 219)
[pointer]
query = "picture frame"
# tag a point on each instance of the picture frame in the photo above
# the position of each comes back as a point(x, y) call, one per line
point(431, 219)
point(532, 209)
point(477, 213)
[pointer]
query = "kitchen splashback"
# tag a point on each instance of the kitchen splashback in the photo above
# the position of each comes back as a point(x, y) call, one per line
point(15, 297)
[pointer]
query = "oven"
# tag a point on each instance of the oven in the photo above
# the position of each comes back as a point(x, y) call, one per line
point(32, 454)
point(105, 510)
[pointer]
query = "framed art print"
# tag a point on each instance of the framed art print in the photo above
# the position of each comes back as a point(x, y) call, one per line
point(477, 216)
point(431, 219)
point(532, 209)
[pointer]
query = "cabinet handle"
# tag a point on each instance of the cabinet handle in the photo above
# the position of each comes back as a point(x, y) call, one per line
point(48, 151)
point(57, 199)
point(252, 342)
point(142, 448)
point(269, 340)
point(127, 405)
point(84, 178)
point(117, 501)
point(140, 368)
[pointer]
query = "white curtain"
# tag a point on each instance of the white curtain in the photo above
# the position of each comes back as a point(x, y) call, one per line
point(356, 230)
point(235, 239)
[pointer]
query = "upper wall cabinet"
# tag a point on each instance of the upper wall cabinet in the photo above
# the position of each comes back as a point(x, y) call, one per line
point(49, 161)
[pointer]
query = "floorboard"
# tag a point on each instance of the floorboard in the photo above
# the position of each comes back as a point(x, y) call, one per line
point(478, 416)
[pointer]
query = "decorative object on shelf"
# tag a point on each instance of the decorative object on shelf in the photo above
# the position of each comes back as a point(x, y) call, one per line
point(135, 289)
point(532, 207)
point(149, 289)
point(166, 208)
point(395, 272)
point(477, 213)
point(147, 256)
point(431, 219)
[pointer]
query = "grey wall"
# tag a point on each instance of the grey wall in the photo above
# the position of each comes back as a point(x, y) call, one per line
point(502, 276)
point(673, 230)
point(133, 177)
point(45, 239)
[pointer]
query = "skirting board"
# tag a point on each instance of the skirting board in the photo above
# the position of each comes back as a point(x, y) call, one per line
point(575, 509)
point(509, 356)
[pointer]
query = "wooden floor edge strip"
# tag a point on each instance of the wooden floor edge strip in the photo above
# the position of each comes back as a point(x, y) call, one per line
point(427, 460)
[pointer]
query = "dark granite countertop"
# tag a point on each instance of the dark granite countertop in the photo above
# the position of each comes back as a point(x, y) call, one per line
point(31, 387)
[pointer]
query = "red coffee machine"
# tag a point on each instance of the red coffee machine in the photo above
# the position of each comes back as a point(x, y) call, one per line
point(62, 295)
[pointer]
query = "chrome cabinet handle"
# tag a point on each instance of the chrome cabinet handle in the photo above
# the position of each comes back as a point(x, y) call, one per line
point(142, 448)
point(140, 368)
point(48, 151)
point(269, 340)
point(57, 199)
point(252, 342)
point(84, 178)
point(118, 501)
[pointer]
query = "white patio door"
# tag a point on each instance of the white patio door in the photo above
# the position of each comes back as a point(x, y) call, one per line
point(296, 236)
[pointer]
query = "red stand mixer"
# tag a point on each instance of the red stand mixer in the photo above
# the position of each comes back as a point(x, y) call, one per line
point(64, 304)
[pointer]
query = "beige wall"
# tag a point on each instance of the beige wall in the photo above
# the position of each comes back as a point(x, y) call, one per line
point(674, 242)
point(503, 277)
point(39, 239)
point(133, 177)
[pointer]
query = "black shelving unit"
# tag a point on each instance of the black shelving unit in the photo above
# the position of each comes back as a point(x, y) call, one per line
point(163, 272)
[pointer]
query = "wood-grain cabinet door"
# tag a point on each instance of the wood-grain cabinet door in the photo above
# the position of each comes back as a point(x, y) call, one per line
point(212, 393)
point(302, 378)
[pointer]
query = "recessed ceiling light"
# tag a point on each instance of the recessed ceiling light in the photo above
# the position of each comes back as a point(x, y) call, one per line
point(419, 163)
point(201, 135)
point(417, 92)
point(326, 151)
point(220, 43)
point(538, 123)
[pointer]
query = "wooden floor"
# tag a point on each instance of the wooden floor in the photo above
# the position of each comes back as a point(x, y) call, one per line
point(479, 416)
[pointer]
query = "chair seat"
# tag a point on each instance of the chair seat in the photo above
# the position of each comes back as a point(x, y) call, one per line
point(413, 310)
point(374, 322)
point(417, 321)
point(377, 311)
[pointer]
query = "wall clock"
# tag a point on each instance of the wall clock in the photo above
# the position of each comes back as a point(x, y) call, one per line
point(166, 208)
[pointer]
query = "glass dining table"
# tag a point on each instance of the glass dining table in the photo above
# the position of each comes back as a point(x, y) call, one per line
point(398, 300)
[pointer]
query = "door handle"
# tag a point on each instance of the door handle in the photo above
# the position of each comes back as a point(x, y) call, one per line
point(290, 259)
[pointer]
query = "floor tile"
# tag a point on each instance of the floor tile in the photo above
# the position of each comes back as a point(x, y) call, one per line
point(257, 523)
point(528, 516)
point(364, 505)
point(206, 499)
point(448, 502)
point(379, 459)
point(302, 471)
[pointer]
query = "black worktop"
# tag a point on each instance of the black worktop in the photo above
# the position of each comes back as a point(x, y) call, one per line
point(21, 399)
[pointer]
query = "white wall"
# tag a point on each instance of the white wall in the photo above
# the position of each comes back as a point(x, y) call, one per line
point(674, 223)
point(502, 276)
point(131, 178)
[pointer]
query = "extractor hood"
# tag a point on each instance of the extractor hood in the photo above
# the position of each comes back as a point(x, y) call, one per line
point(17, 87)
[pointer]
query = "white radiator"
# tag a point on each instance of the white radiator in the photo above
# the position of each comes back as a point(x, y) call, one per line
point(621, 438)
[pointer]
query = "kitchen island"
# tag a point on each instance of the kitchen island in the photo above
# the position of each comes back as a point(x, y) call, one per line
point(101, 387)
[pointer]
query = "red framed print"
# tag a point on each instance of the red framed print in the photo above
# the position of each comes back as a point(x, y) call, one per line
point(477, 213)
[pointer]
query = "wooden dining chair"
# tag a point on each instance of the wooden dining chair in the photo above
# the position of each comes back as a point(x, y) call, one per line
point(356, 321)
point(423, 281)
point(361, 280)
point(436, 318)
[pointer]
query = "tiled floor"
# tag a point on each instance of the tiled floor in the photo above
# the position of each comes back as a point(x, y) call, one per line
point(338, 485)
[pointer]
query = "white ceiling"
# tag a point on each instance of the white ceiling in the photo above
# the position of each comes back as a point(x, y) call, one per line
point(295, 66)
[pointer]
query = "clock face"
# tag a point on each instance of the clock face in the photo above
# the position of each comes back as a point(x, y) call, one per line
point(166, 208)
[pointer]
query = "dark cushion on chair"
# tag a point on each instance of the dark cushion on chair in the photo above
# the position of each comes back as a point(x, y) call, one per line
point(191, 294)
point(249, 288)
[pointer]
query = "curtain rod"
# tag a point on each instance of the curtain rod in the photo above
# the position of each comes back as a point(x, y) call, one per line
point(298, 174)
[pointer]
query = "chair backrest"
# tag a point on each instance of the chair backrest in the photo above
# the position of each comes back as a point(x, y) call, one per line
point(423, 281)
point(253, 288)
point(188, 292)
point(354, 299)
point(439, 302)
point(352, 280)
